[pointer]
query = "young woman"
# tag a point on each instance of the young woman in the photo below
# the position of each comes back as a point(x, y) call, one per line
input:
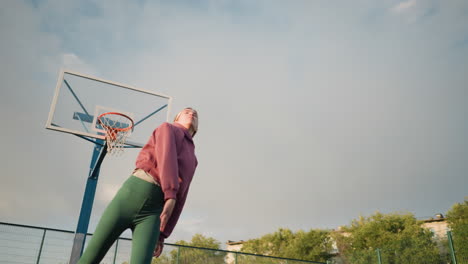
point(151, 200)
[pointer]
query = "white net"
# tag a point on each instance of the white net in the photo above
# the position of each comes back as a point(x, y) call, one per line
point(118, 127)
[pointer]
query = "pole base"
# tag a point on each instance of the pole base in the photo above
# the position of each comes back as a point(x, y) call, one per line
point(78, 244)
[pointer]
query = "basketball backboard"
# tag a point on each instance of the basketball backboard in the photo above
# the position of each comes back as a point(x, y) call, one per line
point(79, 99)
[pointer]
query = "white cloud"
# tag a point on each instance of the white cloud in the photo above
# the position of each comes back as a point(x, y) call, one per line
point(107, 191)
point(404, 6)
point(188, 226)
point(412, 11)
point(72, 62)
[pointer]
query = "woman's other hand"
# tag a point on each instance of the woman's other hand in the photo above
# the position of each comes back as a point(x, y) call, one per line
point(166, 213)
point(158, 249)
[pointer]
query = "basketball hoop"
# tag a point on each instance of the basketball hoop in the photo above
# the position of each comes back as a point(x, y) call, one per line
point(118, 127)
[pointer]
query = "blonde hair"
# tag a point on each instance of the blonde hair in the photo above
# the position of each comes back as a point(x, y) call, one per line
point(195, 129)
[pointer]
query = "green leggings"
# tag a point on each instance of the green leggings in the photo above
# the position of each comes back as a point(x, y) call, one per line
point(137, 205)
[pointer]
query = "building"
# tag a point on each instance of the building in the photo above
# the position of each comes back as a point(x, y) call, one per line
point(438, 225)
point(232, 246)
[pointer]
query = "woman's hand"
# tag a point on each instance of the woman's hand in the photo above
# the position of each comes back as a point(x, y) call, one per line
point(158, 249)
point(165, 216)
point(166, 213)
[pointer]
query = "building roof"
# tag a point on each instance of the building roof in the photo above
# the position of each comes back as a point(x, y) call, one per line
point(232, 243)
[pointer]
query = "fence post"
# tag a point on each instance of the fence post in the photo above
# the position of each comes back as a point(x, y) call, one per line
point(40, 248)
point(115, 252)
point(235, 258)
point(178, 255)
point(379, 258)
point(452, 249)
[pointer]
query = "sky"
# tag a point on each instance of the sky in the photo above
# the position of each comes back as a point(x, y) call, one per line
point(312, 113)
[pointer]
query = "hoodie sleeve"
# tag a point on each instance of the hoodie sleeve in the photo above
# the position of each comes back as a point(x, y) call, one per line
point(174, 217)
point(166, 156)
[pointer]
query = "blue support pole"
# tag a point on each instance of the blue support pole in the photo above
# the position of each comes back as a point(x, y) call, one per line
point(100, 150)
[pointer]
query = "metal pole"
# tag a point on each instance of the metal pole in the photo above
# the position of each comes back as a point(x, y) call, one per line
point(235, 258)
point(40, 248)
point(379, 258)
point(100, 151)
point(115, 253)
point(178, 255)
point(452, 249)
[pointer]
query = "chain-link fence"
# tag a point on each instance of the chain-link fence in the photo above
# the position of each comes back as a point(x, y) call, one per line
point(447, 251)
point(20, 244)
point(181, 254)
point(381, 256)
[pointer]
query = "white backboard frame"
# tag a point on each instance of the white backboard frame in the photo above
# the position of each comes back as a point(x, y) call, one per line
point(59, 85)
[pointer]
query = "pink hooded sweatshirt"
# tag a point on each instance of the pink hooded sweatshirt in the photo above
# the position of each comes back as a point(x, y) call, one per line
point(169, 156)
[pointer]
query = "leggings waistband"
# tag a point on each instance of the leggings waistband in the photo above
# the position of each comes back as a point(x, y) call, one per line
point(144, 176)
point(143, 188)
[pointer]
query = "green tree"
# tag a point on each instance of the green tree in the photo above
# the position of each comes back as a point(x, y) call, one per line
point(399, 237)
point(194, 252)
point(314, 245)
point(457, 218)
point(198, 240)
point(163, 259)
point(270, 244)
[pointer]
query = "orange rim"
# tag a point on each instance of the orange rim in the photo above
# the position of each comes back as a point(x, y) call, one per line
point(115, 128)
